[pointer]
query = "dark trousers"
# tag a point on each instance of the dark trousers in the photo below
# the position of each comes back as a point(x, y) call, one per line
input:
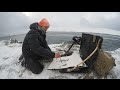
point(33, 65)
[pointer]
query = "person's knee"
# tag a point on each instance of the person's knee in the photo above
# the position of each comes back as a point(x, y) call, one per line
point(34, 66)
point(38, 70)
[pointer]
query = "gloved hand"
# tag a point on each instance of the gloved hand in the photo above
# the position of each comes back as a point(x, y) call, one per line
point(57, 55)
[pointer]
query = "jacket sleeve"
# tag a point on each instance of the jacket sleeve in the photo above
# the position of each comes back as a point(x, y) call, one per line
point(39, 50)
point(48, 46)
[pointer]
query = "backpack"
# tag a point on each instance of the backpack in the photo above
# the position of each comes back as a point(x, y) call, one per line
point(104, 63)
point(88, 44)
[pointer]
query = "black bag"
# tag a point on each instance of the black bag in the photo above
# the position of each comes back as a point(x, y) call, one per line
point(88, 45)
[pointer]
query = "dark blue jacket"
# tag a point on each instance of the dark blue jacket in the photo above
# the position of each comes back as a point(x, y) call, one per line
point(35, 45)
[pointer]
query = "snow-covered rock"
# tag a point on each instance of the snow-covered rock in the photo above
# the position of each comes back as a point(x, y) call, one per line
point(10, 67)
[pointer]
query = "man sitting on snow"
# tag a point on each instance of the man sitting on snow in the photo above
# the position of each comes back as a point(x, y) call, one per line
point(35, 47)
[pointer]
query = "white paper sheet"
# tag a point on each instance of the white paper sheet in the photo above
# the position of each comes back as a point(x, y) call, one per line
point(66, 62)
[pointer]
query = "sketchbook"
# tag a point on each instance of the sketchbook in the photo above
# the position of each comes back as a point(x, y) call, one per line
point(66, 62)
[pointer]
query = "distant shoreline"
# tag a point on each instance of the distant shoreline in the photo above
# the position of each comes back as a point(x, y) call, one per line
point(61, 32)
point(110, 42)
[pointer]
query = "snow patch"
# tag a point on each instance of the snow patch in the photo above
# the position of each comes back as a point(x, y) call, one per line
point(11, 69)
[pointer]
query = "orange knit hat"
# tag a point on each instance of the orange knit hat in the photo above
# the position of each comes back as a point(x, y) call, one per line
point(44, 22)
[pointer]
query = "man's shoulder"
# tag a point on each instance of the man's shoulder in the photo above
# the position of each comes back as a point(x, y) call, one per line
point(33, 32)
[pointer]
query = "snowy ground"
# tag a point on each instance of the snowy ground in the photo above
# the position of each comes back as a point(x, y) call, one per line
point(11, 69)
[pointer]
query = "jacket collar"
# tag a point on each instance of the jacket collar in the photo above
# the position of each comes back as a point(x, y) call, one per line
point(43, 32)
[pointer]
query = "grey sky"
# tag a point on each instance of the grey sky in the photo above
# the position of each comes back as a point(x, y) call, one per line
point(18, 22)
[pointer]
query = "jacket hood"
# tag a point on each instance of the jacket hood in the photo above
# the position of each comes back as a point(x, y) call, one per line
point(34, 25)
